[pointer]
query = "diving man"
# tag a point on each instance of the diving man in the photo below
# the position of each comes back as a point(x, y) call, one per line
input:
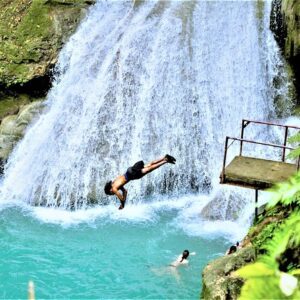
point(137, 171)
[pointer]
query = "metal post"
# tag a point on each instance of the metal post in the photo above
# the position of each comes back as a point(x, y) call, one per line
point(242, 137)
point(284, 143)
point(256, 201)
point(245, 123)
point(224, 160)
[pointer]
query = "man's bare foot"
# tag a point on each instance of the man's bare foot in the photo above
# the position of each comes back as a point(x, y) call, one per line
point(170, 159)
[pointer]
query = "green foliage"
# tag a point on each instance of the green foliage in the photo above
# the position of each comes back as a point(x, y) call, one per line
point(286, 193)
point(264, 235)
point(284, 236)
point(295, 140)
point(265, 279)
point(256, 270)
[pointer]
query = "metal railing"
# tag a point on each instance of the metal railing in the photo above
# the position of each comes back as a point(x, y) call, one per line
point(245, 123)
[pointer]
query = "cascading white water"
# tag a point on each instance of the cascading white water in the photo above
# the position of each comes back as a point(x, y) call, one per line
point(137, 81)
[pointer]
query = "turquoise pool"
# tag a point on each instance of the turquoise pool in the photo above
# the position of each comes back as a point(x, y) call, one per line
point(106, 253)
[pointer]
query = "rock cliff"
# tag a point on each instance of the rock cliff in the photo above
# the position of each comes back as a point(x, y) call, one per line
point(219, 281)
point(285, 23)
point(32, 32)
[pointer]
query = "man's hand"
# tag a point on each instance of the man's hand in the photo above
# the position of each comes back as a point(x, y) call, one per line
point(122, 205)
point(122, 197)
point(124, 191)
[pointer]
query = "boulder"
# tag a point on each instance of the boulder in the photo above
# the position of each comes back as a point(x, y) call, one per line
point(31, 36)
point(223, 206)
point(218, 280)
point(12, 127)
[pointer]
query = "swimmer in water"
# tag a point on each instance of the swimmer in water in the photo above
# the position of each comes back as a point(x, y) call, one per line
point(182, 259)
point(172, 269)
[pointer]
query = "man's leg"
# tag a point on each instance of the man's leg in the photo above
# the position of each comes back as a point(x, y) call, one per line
point(157, 163)
point(153, 165)
point(154, 162)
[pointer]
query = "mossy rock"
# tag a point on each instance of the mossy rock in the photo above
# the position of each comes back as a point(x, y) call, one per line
point(223, 207)
point(7, 143)
point(27, 113)
point(32, 33)
point(12, 127)
point(11, 105)
point(265, 227)
point(218, 279)
point(8, 125)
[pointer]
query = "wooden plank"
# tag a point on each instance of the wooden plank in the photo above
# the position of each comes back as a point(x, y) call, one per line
point(257, 173)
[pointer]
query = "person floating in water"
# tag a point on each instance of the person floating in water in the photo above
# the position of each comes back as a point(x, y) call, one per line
point(172, 268)
point(182, 259)
point(137, 171)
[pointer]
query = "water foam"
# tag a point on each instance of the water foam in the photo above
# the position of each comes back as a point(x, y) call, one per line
point(183, 215)
point(132, 213)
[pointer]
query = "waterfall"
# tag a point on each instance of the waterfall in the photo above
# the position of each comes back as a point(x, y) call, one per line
point(139, 80)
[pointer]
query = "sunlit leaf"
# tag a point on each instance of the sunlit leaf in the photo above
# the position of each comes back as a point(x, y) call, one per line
point(257, 269)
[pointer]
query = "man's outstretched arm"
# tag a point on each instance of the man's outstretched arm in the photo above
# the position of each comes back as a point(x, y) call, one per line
point(124, 191)
point(121, 197)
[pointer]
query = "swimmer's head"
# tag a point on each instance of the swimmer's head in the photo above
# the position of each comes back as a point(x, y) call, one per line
point(185, 255)
point(107, 188)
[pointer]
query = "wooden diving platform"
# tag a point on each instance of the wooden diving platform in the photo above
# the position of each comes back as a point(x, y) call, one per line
point(257, 173)
point(253, 172)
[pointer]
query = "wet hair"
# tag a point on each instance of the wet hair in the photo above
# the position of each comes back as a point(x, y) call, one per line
point(185, 255)
point(107, 188)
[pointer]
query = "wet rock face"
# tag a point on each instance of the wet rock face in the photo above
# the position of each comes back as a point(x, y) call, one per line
point(223, 207)
point(31, 34)
point(218, 280)
point(291, 21)
point(285, 23)
point(277, 23)
point(12, 127)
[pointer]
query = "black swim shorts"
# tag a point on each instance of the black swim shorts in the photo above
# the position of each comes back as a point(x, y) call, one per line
point(135, 172)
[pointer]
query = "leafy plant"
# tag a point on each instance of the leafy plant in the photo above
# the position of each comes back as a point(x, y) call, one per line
point(265, 234)
point(274, 275)
point(295, 140)
point(287, 193)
